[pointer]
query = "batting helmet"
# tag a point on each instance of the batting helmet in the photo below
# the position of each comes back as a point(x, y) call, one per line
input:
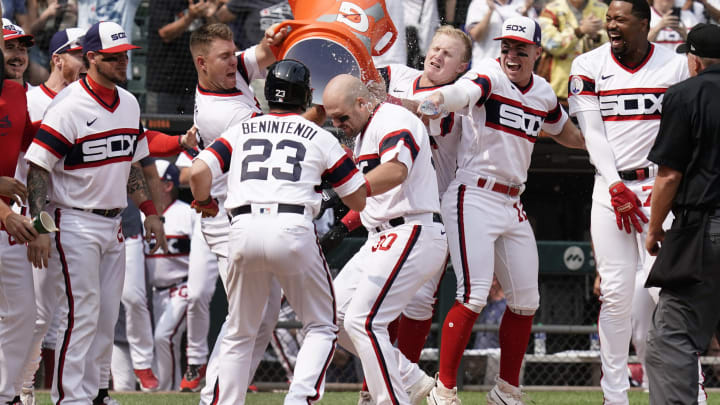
point(288, 82)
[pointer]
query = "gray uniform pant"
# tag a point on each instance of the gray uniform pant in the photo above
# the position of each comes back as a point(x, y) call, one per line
point(683, 324)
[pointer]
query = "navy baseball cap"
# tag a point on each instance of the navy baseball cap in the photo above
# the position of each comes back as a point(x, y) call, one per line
point(67, 40)
point(106, 37)
point(703, 40)
point(168, 171)
point(521, 29)
point(14, 31)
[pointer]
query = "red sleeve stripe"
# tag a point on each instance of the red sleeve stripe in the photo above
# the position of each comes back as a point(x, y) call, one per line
point(222, 151)
point(391, 139)
point(341, 172)
point(55, 143)
point(554, 115)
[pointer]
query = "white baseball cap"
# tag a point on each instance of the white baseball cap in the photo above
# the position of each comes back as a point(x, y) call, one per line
point(521, 29)
point(14, 31)
point(106, 37)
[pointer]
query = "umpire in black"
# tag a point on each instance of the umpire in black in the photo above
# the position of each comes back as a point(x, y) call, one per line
point(687, 150)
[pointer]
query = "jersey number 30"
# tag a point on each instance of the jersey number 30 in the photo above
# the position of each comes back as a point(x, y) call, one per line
point(252, 165)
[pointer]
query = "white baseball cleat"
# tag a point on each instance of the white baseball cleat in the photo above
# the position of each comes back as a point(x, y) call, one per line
point(110, 401)
point(365, 399)
point(27, 397)
point(504, 393)
point(441, 395)
point(421, 389)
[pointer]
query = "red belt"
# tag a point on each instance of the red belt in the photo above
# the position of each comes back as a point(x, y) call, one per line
point(512, 191)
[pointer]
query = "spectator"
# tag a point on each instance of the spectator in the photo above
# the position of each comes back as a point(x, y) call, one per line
point(47, 18)
point(484, 23)
point(666, 28)
point(15, 47)
point(244, 16)
point(569, 28)
point(15, 10)
point(170, 72)
point(712, 10)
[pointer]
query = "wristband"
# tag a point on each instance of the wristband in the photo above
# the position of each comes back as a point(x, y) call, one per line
point(148, 208)
point(351, 220)
point(205, 201)
point(393, 100)
point(368, 190)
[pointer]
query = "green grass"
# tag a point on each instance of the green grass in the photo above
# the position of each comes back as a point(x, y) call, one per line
point(350, 398)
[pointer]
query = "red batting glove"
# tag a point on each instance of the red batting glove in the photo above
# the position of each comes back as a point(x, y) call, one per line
point(627, 207)
point(208, 208)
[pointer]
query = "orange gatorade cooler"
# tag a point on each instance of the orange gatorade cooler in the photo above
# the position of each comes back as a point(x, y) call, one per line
point(333, 37)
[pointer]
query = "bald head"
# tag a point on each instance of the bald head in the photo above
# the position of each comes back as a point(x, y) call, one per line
point(344, 89)
point(348, 103)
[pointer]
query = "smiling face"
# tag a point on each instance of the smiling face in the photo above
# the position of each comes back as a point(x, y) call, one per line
point(445, 60)
point(518, 60)
point(626, 31)
point(16, 59)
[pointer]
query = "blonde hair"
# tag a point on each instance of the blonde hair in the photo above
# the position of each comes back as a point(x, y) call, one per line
point(201, 38)
point(459, 34)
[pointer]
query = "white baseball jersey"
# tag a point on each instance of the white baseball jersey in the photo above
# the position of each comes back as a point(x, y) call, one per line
point(216, 111)
point(630, 100)
point(668, 37)
point(87, 144)
point(168, 268)
point(280, 158)
point(503, 125)
point(38, 100)
point(394, 132)
point(404, 82)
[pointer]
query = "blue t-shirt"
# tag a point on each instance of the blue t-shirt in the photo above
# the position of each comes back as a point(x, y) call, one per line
point(11, 8)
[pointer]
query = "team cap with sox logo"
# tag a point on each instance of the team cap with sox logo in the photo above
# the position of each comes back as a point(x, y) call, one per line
point(703, 40)
point(521, 29)
point(67, 40)
point(13, 31)
point(106, 37)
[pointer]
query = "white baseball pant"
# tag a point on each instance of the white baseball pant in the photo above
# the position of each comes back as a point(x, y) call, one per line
point(215, 231)
point(134, 299)
point(373, 289)
point(488, 233)
point(17, 307)
point(169, 306)
point(123, 375)
point(281, 246)
point(90, 251)
point(202, 278)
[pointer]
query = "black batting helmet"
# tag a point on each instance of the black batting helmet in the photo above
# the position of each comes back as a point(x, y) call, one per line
point(288, 82)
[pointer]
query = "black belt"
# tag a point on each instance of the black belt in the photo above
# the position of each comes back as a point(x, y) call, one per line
point(182, 280)
point(284, 208)
point(636, 174)
point(111, 213)
point(397, 221)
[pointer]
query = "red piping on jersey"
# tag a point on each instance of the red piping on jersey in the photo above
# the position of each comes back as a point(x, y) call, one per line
point(100, 94)
point(527, 88)
point(635, 90)
point(122, 131)
point(640, 65)
point(518, 104)
point(47, 90)
point(419, 89)
point(372, 115)
point(220, 93)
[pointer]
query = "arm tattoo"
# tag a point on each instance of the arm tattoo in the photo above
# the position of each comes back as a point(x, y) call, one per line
point(37, 184)
point(137, 187)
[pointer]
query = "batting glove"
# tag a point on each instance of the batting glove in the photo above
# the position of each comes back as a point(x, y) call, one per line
point(627, 208)
point(208, 208)
point(329, 200)
point(333, 237)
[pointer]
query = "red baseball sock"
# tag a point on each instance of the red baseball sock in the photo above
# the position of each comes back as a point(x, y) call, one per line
point(393, 332)
point(411, 337)
point(514, 337)
point(455, 336)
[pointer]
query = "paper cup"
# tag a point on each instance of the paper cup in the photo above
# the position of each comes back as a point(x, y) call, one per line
point(44, 223)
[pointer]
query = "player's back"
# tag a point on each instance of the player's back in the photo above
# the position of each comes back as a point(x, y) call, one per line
point(280, 158)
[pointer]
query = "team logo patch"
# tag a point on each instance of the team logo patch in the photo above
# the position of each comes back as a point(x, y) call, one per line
point(576, 85)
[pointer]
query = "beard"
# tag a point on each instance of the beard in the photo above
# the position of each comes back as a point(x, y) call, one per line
point(112, 75)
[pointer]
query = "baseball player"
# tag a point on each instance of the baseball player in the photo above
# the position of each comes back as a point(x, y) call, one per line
point(15, 49)
point(506, 106)
point(274, 163)
point(16, 292)
point(66, 57)
point(168, 270)
point(406, 243)
point(616, 92)
point(90, 133)
point(224, 98)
